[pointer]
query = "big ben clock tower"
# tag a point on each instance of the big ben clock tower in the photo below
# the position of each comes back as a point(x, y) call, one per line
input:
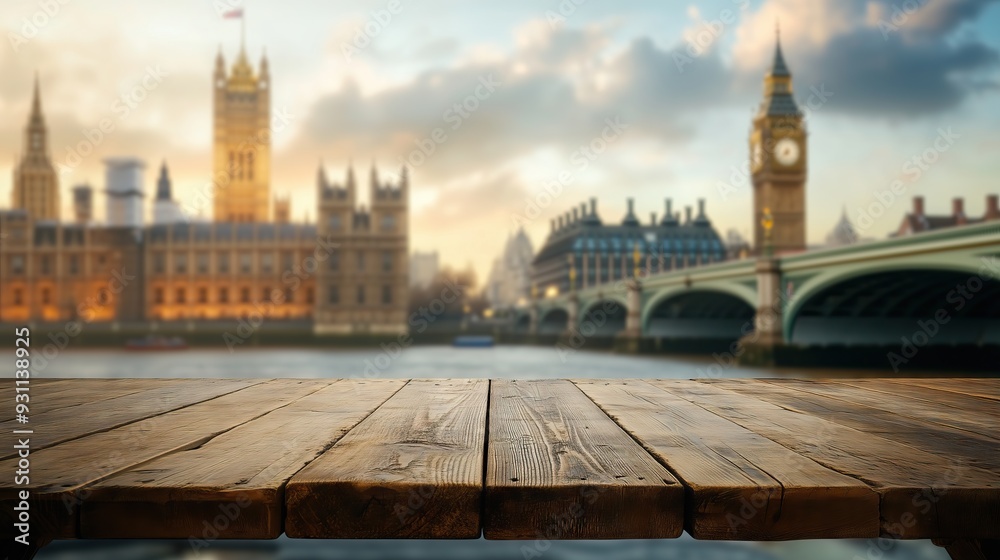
point(778, 164)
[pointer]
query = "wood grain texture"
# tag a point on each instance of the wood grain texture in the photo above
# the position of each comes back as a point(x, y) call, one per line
point(976, 387)
point(559, 468)
point(740, 485)
point(923, 495)
point(95, 415)
point(412, 469)
point(240, 474)
point(53, 395)
point(61, 474)
point(973, 418)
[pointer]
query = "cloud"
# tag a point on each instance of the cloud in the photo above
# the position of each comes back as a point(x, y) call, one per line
point(879, 58)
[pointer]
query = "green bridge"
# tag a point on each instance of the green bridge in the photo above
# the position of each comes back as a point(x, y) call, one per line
point(940, 288)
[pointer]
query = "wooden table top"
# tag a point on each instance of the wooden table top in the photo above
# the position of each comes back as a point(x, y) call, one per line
point(770, 459)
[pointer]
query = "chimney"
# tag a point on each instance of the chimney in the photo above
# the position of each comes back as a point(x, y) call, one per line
point(958, 211)
point(631, 206)
point(669, 211)
point(918, 206)
point(992, 207)
point(576, 216)
point(583, 210)
point(593, 206)
point(560, 222)
point(652, 219)
point(687, 214)
point(701, 207)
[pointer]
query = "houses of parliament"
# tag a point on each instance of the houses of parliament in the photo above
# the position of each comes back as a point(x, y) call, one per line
point(347, 273)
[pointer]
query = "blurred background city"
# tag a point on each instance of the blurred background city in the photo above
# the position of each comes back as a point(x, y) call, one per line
point(565, 188)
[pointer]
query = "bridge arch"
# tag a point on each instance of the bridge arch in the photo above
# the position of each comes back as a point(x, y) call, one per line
point(603, 316)
point(553, 321)
point(883, 304)
point(703, 313)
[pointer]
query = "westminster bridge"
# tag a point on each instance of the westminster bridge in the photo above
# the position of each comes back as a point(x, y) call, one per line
point(935, 288)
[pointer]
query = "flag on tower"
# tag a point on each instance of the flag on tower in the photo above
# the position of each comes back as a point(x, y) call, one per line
point(231, 14)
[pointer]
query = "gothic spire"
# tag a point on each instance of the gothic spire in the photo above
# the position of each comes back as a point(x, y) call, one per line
point(778, 66)
point(36, 104)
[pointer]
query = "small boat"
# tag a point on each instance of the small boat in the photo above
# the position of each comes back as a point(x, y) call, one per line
point(156, 342)
point(472, 342)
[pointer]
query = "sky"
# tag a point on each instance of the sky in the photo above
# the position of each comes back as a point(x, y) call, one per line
point(511, 113)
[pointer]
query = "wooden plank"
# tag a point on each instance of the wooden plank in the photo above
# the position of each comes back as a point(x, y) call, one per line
point(740, 485)
point(876, 396)
point(922, 495)
point(60, 475)
point(74, 422)
point(929, 436)
point(904, 389)
point(55, 395)
point(559, 468)
point(412, 469)
point(983, 388)
point(240, 474)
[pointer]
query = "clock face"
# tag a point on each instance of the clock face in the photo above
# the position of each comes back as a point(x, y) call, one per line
point(786, 151)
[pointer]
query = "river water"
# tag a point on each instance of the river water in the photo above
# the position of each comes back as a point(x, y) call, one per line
point(441, 361)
